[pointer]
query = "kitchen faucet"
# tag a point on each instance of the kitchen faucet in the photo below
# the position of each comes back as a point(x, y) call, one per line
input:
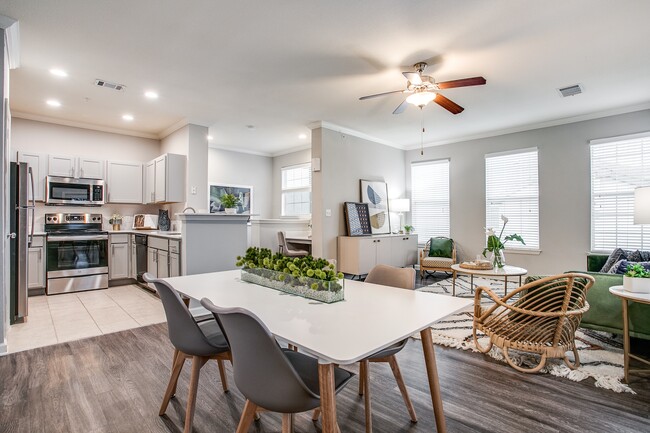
point(188, 208)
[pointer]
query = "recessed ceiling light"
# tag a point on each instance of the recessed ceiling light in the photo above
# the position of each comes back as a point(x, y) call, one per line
point(53, 103)
point(127, 117)
point(209, 137)
point(302, 136)
point(58, 72)
point(151, 94)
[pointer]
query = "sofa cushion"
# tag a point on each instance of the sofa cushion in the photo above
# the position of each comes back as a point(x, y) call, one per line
point(441, 247)
point(620, 267)
point(436, 262)
point(615, 256)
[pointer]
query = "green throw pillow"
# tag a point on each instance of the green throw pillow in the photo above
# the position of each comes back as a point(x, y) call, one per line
point(441, 247)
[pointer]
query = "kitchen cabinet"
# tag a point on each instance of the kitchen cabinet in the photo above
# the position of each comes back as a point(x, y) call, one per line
point(36, 264)
point(163, 257)
point(38, 163)
point(165, 179)
point(78, 167)
point(124, 182)
point(133, 270)
point(358, 255)
point(119, 256)
point(174, 258)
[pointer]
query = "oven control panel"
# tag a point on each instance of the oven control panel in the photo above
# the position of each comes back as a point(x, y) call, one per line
point(78, 218)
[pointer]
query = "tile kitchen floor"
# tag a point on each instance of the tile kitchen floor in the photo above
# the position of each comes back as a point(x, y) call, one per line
point(72, 316)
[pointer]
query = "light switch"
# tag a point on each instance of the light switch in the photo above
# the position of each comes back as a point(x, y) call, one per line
point(328, 212)
point(193, 190)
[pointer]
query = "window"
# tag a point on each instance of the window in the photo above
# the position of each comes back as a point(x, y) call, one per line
point(296, 190)
point(512, 190)
point(430, 199)
point(618, 166)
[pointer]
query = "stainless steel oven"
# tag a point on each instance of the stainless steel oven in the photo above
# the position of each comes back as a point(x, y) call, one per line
point(76, 253)
point(71, 191)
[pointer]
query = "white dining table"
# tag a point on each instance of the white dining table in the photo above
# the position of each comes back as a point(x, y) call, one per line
point(372, 317)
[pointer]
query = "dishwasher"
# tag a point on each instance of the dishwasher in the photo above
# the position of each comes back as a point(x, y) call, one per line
point(141, 258)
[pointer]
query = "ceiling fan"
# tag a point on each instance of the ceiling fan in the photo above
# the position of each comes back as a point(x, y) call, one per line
point(424, 89)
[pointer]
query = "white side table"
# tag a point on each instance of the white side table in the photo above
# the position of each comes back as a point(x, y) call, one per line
point(626, 298)
point(505, 272)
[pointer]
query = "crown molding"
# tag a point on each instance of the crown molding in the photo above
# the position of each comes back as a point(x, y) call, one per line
point(12, 32)
point(246, 151)
point(172, 128)
point(354, 133)
point(291, 150)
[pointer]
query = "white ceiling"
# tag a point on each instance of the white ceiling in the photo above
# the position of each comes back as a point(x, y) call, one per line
point(281, 65)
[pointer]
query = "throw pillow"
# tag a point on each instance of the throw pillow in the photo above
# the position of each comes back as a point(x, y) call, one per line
point(441, 247)
point(615, 256)
point(621, 266)
point(634, 256)
point(615, 267)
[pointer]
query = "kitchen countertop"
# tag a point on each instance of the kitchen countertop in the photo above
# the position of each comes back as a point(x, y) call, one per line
point(158, 233)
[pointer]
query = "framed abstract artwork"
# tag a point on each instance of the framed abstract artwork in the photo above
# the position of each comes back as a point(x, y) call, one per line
point(357, 219)
point(243, 193)
point(375, 193)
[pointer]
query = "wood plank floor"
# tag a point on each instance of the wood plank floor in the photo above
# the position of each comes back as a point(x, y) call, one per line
point(115, 382)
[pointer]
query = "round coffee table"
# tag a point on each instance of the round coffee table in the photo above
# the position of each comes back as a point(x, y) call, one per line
point(626, 297)
point(505, 272)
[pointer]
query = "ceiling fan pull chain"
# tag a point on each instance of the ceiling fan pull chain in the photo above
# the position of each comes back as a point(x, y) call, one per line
point(422, 134)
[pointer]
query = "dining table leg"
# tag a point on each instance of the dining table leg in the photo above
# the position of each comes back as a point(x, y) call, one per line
point(434, 382)
point(327, 397)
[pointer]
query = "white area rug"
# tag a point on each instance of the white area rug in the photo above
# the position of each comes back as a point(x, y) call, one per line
point(601, 357)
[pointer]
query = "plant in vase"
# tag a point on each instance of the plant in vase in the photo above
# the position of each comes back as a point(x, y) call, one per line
point(636, 279)
point(116, 220)
point(408, 229)
point(230, 203)
point(496, 246)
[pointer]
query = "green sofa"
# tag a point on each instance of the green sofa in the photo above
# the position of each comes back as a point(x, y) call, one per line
point(605, 310)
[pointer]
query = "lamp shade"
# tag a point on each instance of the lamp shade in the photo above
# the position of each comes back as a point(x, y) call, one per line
point(400, 205)
point(421, 98)
point(642, 205)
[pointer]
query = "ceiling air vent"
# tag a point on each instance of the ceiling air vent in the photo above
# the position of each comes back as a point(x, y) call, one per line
point(109, 85)
point(576, 89)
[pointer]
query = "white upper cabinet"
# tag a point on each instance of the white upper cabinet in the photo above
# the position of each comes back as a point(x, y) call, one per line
point(38, 163)
point(124, 181)
point(79, 167)
point(165, 179)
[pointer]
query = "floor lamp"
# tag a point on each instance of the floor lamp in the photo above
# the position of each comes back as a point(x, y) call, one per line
point(642, 205)
point(400, 205)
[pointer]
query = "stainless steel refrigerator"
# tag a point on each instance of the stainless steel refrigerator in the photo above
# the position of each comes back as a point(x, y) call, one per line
point(21, 232)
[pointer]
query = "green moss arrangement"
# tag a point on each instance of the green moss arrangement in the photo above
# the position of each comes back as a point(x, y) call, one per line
point(318, 274)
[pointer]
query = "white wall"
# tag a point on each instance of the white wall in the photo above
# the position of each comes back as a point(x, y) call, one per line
point(564, 188)
point(279, 162)
point(233, 168)
point(345, 160)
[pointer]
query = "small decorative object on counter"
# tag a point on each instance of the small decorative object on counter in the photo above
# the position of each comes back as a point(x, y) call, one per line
point(309, 277)
point(163, 220)
point(496, 246)
point(636, 279)
point(230, 203)
point(116, 220)
point(408, 229)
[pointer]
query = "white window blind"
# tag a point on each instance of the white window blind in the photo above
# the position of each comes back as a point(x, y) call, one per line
point(430, 199)
point(618, 166)
point(512, 190)
point(296, 190)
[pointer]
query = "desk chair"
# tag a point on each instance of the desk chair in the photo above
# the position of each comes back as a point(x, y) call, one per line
point(284, 247)
point(197, 341)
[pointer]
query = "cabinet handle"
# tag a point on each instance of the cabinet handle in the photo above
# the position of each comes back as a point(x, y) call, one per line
point(81, 172)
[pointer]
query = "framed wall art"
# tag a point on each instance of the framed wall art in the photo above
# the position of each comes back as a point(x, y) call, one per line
point(243, 192)
point(375, 193)
point(357, 218)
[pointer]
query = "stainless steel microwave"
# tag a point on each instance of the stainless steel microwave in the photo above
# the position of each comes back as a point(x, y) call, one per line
point(72, 191)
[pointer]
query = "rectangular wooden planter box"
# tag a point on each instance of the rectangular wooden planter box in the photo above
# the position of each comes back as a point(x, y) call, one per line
point(311, 288)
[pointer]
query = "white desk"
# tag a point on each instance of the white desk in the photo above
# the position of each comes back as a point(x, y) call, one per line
point(371, 318)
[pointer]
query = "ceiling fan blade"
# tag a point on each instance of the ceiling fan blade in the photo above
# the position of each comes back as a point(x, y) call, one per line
point(401, 107)
point(463, 82)
point(448, 104)
point(380, 94)
point(413, 77)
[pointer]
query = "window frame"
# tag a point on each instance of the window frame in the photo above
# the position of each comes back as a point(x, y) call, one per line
point(300, 189)
point(423, 237)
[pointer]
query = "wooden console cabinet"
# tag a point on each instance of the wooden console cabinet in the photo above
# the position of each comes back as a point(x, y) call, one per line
point(359, 254)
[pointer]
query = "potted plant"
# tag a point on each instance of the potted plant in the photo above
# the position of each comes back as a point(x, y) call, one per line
point(496, 246)
point(408, 229)
point(230, 202)
point(116, 220)
point(636, 279)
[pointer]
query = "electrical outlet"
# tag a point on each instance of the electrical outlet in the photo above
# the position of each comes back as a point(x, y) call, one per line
point(328, 212)
point(193, 190)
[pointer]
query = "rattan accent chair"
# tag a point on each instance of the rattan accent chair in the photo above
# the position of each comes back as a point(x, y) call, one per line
point(539, 317)
point(432, 264)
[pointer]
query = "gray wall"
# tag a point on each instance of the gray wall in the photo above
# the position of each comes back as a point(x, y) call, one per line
point(345, 160)
point(279, 162)
point(234, 168)
point(564, 188)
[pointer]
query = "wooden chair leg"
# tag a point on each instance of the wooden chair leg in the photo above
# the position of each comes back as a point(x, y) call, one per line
point(316, 414)
point(287, 423)
point(392, 361)
point(362, 376)
point(179, 361)
point(247, 416)
point(222, 373)
point(176, 355)
point(197, 363)
point(365, 365)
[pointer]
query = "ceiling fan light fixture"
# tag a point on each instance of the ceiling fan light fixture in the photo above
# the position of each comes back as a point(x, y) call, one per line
point(420, 99)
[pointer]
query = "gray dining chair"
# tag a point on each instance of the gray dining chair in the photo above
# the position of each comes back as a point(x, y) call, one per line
point(270, 377)
point(284, 247)
point(200, 342)
point(403, 278)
